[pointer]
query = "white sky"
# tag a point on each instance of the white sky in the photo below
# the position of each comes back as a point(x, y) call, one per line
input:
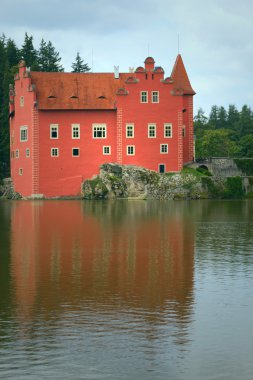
point(215, 38)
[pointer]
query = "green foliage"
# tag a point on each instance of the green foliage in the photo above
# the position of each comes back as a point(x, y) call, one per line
point(79, 66)
point(204, 171)
point(48, 57)
point(233, 188)
point(245, 165)
point(213, 189)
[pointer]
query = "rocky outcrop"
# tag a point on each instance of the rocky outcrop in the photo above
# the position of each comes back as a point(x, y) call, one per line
point(116, 181)
point(7, 190)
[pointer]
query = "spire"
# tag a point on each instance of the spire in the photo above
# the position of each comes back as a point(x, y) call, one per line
point(180, 77)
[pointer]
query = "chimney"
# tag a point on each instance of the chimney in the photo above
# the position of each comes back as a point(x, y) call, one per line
point(116, 72)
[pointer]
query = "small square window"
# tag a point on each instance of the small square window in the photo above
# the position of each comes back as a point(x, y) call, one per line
point(130, 150)
point(106, 150)
point(168, 130)
point(54, 152)
point(129, 130)
point(75, 152)
point(27, 152)
point(152, 130)
point(155, 96)
point(54, 131)
point(164, 148)
point(144, 96)
point(75, 131)
point(17, 153)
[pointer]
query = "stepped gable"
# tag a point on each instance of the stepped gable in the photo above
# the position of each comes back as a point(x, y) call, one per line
point(181, 83)
point(62, 91)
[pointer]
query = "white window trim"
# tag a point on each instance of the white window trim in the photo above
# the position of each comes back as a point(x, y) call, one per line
point(73, 126)
point(27, 153)
point(54, 155)
point(23, 128)
point(130, 146)
point(171, 134)
point(106, 146)
point(20, 171)
point(78, 152)
point(161, 149)
point(146, 96)
point(100, 125)
point(51, 129)
point(151, 125)
point(17, 153)
point(22, 101)
point(130, 125)
point(152, 97)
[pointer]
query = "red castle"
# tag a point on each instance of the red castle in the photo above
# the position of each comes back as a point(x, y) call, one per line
point(64, 126)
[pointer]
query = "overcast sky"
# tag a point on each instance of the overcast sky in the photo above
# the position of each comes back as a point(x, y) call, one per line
point(215, 38)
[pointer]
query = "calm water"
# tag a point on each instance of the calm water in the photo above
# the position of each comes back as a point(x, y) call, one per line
point(126, 290)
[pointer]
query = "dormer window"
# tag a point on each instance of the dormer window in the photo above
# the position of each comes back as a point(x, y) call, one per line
point(51, 97)
point(74, 97)
point(101, 97)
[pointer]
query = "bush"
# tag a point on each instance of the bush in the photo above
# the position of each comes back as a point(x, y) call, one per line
point(233, 188)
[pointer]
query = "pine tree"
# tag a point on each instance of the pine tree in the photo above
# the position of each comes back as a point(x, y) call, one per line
point(79, 66)
point(29, 54)
point(48, 57)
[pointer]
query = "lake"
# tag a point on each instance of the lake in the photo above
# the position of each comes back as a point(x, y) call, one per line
point(126, 290)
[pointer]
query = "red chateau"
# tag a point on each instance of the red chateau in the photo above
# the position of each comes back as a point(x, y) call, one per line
point(64, 126)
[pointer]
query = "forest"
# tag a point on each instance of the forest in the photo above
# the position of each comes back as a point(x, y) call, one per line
point(223, 133)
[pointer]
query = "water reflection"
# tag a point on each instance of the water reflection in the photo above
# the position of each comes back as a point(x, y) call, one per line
point(134, 258)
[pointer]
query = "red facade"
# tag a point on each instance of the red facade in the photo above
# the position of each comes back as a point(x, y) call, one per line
point(64, 126)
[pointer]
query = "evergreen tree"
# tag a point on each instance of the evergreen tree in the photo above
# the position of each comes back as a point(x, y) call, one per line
point(29, 54)
point(48, 57)
point(222, 118)
point(79, 66)
point(213, 117)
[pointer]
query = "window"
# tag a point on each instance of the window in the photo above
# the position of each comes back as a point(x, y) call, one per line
point(17, 153)
point(75, 152)
point(129, 130)
point(99, 131)
point(27, 152)
point(161, 168)
point(167, 130)
point(152, 130)
point(20, 171)
point(23, 134)
point(106, 150)
point(54, 152)
point(164, 148)
point(144, 96)
point(130, 150)
point(155, 96)
point(54, 131)
point(22, 101)
point(75, 131)
point(183, 131)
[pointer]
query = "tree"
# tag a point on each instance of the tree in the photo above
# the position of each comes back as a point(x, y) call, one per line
point(213, 117)
point(246, 146)
point(48, 57)
point(222, 118)
point(79, 66)
point(29, 54)
point(216, 143)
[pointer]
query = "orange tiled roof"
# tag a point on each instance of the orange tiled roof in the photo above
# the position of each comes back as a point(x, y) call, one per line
point(58, 90)
point(180, 78)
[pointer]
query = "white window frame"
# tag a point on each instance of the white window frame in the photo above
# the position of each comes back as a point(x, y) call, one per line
point(23, 134)
point(97, 129)
point(20, 171)
point(105, 147)
point(75, 131)
point(54, 128)
point(144, 96)
point(53, 151)
point(130, 150)
point(22, 101)
point(162, 150)
point(155, 97)
point(76, 155)
point(130, 128)
point(17, 153)
point(27, 152)
point(150, 125)
point(169, 126)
